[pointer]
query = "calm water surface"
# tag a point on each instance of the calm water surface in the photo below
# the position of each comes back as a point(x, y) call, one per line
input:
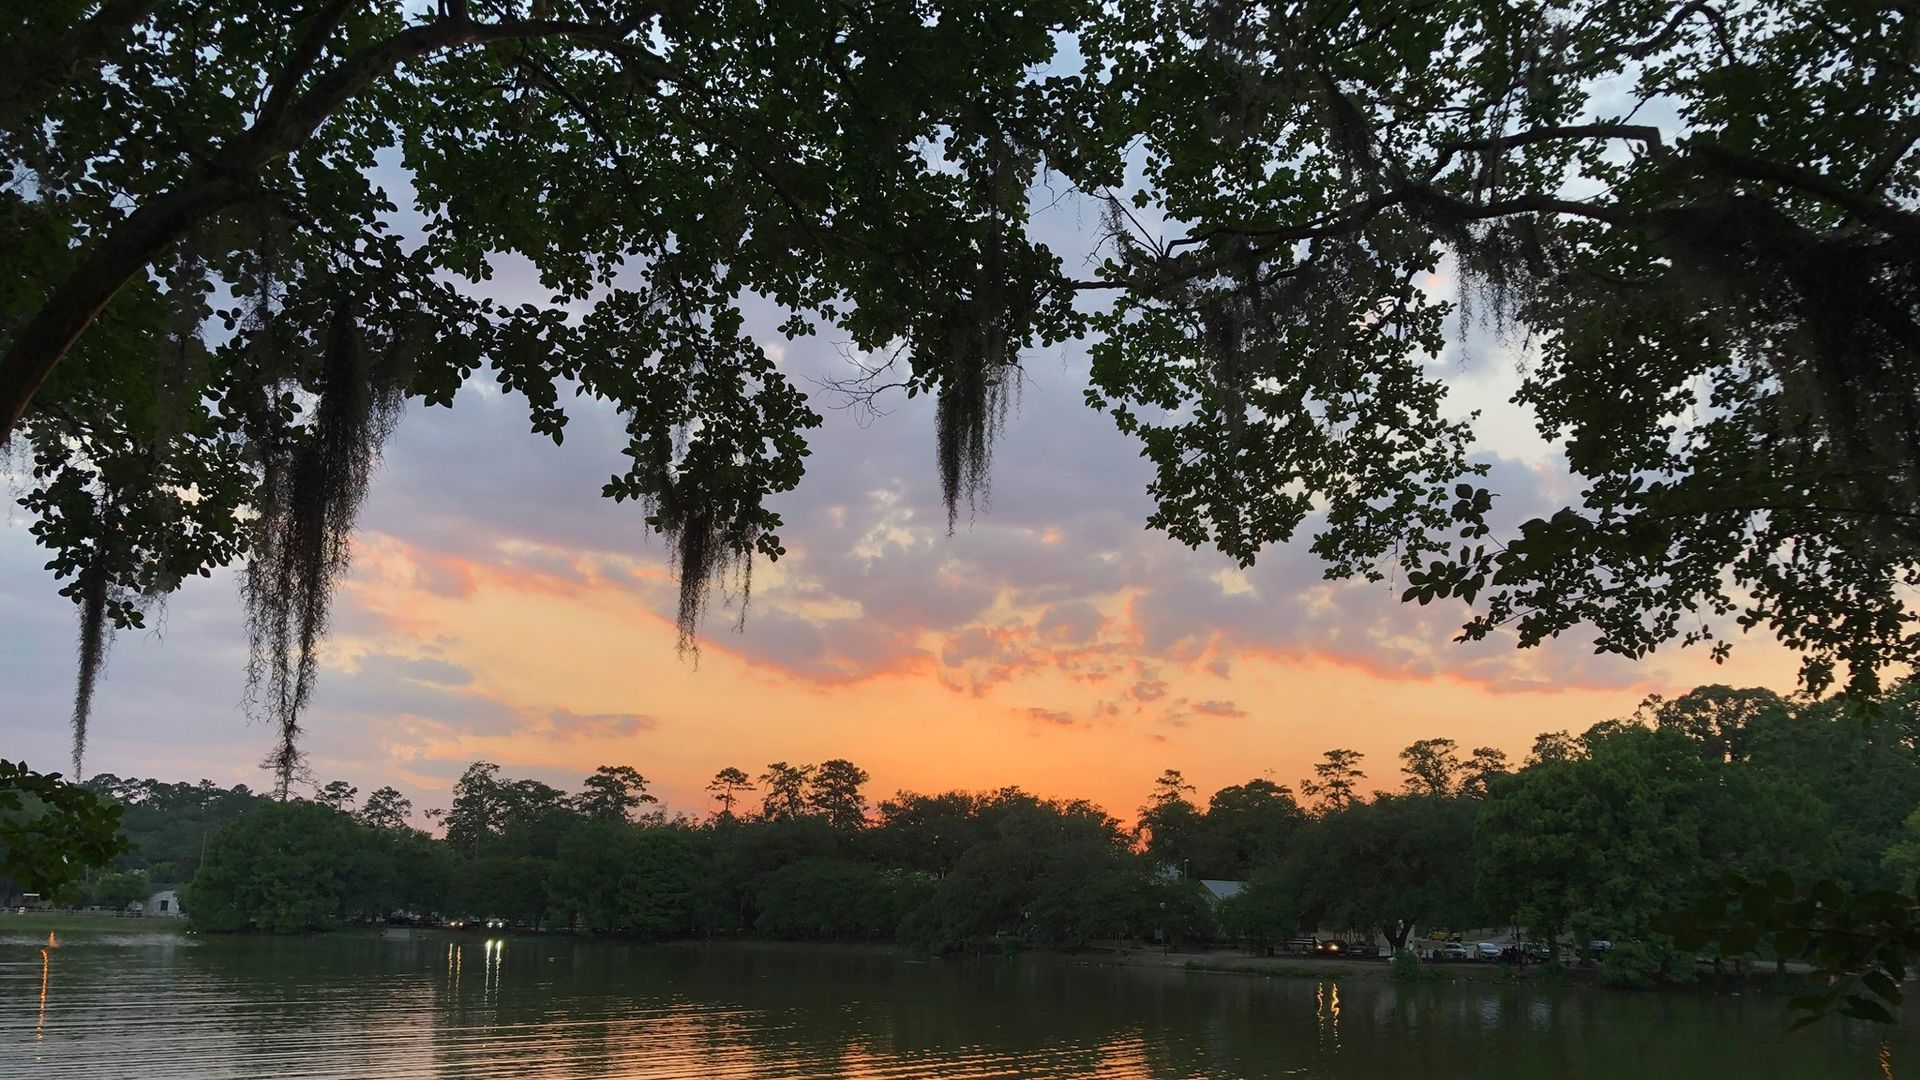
point(456, 1006)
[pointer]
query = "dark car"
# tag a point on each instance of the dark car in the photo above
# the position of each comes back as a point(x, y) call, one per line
point(1303, 946)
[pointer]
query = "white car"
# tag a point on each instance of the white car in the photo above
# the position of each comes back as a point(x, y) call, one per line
point(1488, 950)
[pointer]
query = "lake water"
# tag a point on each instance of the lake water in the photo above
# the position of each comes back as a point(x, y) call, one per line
point(153, 1005)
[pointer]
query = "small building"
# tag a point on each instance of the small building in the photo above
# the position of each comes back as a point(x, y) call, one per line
point(164, 904)
point(1222, 890)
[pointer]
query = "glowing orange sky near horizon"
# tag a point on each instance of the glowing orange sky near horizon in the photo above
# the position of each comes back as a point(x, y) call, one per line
point(594, 645)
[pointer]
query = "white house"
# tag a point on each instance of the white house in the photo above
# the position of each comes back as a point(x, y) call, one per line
point(165, 903)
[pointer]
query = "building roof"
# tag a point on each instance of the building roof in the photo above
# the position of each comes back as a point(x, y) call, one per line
point(1222, 890)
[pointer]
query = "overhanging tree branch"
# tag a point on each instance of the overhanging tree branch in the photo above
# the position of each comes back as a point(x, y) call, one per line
point(29, 77)
point(130, 246)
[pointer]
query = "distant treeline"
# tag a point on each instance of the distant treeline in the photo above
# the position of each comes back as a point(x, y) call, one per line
point(1591, 836)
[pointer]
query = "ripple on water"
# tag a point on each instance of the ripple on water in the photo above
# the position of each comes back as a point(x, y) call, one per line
point(446, 1006)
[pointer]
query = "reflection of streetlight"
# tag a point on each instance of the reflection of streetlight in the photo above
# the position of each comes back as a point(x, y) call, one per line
point(1326, 1012)
point(46, 963)
point(496, 955)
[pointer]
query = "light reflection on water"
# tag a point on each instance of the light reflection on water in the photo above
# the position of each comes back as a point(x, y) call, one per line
point(40, 1018)
point(358, 1007)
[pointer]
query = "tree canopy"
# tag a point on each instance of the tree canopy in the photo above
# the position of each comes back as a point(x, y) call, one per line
point(53, 830)
point(240, 243)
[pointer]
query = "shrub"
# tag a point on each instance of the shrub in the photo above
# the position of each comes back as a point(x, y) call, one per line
point(1634, 964)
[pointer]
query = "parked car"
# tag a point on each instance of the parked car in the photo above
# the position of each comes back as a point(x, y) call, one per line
point(1302, 946)
point(1599, 945)
point(1362, 950)
point(1487, 950)
point(1453, 950)
point(1535, 952)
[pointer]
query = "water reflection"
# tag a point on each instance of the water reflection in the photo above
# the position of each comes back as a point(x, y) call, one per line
point(1326, 1014)
point(46, 969)
point(352, 1007)
point(1333, 1011)
point(495, 960)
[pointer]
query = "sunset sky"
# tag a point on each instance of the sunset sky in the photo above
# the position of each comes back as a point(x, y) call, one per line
point(498, 608)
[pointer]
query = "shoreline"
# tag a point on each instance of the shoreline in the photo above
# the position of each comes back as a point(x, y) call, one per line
point(1147, 957)
point(1759, 981)
point(68, 922)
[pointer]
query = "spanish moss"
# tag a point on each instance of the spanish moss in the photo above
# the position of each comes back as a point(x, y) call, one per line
point(288, 764)
point(971, 410)
point(979, 359)
point(313, 481)
point(96, 633)
point(709, 553)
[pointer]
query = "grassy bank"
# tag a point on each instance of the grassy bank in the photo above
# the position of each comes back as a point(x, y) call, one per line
point(39, 924)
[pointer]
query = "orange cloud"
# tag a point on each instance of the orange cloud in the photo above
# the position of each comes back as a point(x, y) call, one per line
point(576, 652)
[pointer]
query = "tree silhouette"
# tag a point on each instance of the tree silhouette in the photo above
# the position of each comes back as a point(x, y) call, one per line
point(834, 793)
point(478, 809)
point(785, 791)
point(1433, 767)
point(386, 808)
point(1171, 821)
point(1335, 780)
point(1487, 763)
point(727, 786)
point(613, 793)
point(1552, 746)
point(337, 795)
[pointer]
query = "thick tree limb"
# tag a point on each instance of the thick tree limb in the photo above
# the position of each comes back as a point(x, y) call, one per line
point(130, 246)
point(320, 29)
point(45, 340)
point(1862, 206)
